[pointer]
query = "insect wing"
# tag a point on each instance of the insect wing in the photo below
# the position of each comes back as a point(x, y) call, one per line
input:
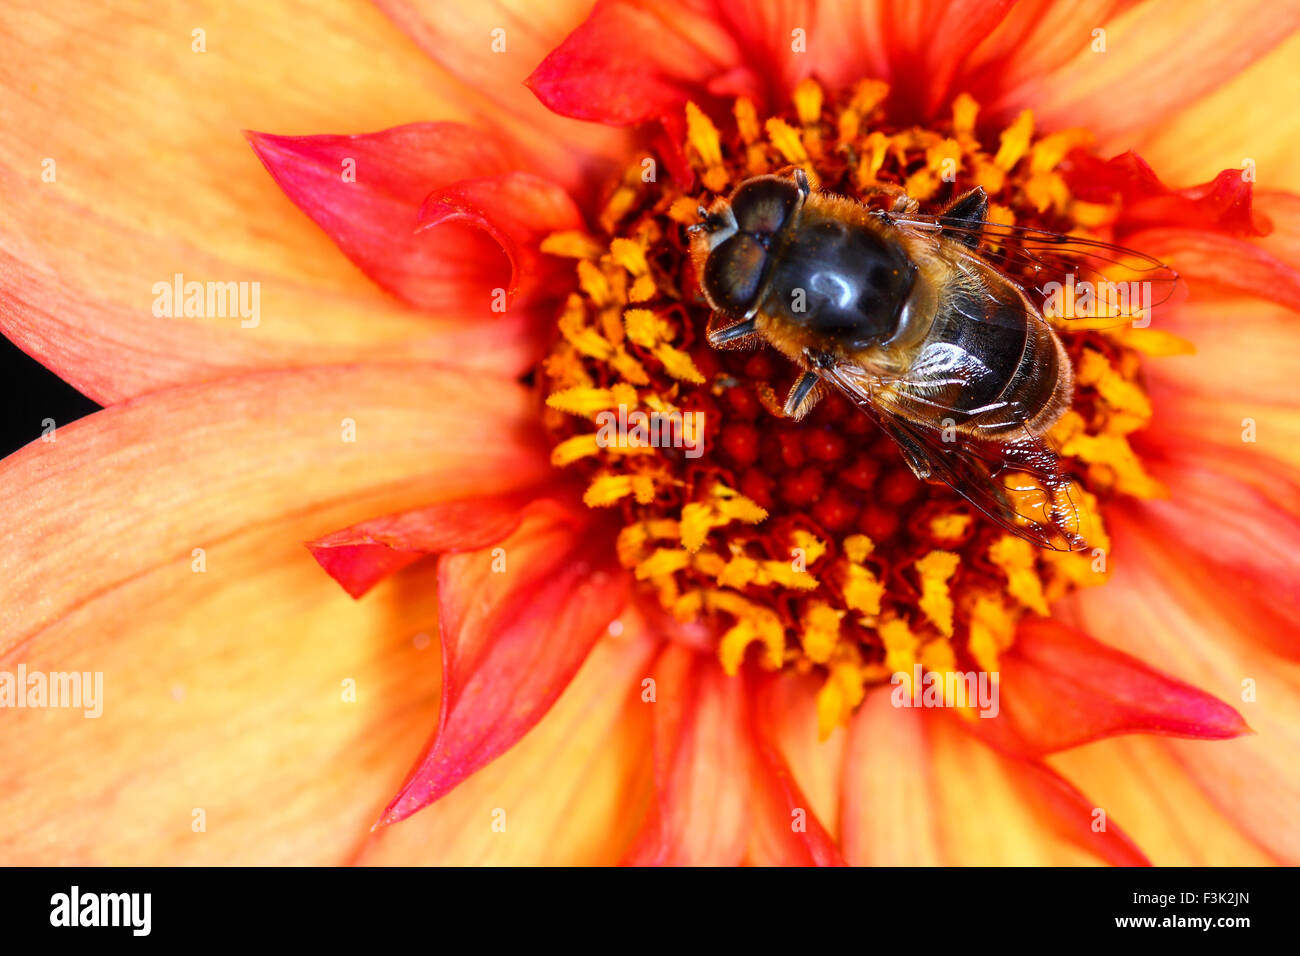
point(1017, 483)
point(1076, 282)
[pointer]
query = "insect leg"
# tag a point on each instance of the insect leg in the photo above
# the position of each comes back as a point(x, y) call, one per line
point(801, 180)
point(731, 334)
point(804, 396)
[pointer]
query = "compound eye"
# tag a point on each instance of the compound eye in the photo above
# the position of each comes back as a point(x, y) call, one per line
point(763, 205)
point(733, 274)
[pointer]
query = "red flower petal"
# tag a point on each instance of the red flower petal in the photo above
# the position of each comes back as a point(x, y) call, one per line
point(1245, 548)
point(628, 64)
point(929, 41)
point(702, 759)
point(1073, 816)
point(960, 801)
point(517, 622)
point(361, 556)
point(488, 48)
point(1223, 204)
point(784, 831)
point(1060, 688)
point(517, 210)
point(1221, 260)
point(373, 219)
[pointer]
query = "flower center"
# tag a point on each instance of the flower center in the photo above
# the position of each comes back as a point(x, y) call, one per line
point(811, 545)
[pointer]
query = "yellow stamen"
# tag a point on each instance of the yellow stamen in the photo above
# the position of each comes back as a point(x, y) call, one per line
point(992, 630)
point(606, 490)
point(821, 631)
point(593, 282)
point(964, 112)
point(786, 140)
point(587, 402)
point(746, 119)
point(840, 696)
point(703, 136)
point(1015, 141)
point(808, 101)
point(935, 569)
point(723, 507)
point(900, 645)
point(572, 245)
point(1018, 560)
point(949, 527)
point(571, 449)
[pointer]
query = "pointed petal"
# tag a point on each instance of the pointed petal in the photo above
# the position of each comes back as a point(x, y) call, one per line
point(376, 220)
point(415, 423)
point(225, 671)
point(784, 830)
point(1164, 54)
point(1060, 688)
point(630, 63)
point(702, 763)
point(965, 805)
point(81, 255)
point(1222, 262)
point(517, 211)
point(361, 556)
point(1222, 204)
point(517, 622)
point(566, 794)
point(817, 765)
point(490, 47)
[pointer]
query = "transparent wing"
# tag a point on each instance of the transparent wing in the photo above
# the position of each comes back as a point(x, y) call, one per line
point(1075, 281)
point(1017, 482)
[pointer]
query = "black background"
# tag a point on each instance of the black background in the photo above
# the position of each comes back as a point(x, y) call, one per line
point(29, 394)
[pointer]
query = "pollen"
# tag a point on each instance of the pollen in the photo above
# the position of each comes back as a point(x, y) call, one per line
point(810, 545)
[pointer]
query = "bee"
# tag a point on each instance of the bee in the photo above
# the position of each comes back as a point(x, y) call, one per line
point(918, 320)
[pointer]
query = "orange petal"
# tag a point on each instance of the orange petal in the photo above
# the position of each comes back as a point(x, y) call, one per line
point(1219, 262)
point(1154, 609)
point(817, 765)
point(227, 671)
point(887, 817)
point(491, 47)
point(702, 763)
point(1247, 118)
point(517, 622)
point(1031, 41)
point(569, 793)
point(152, 178)
point(361, 556)
point(929, 41)
point(1136, 779)
point(379, 435)
point(1160, 56)
point(784, 830)
point(963, 803)
point(1060, 688)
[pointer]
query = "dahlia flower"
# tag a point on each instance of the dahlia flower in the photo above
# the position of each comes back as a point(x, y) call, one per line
point(364, 586)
